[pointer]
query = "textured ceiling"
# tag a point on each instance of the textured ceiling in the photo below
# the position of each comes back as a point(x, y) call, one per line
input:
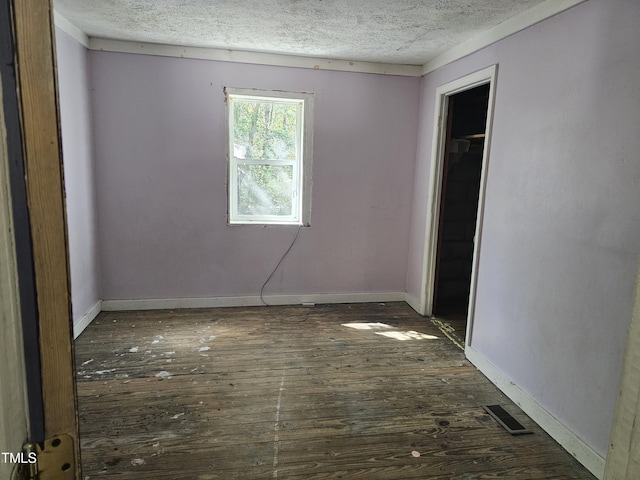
point(409, 32)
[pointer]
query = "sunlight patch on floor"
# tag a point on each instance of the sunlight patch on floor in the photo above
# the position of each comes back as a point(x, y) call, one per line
point(389, 331)
point(408, 335)
point(366, 326)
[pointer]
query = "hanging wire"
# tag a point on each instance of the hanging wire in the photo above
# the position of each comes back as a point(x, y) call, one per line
point(277, 266)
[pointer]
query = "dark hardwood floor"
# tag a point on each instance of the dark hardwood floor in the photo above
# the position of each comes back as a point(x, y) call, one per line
point(367, 391)
point(452, 321)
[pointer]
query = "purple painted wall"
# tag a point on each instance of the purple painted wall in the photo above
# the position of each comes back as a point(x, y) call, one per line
point(161, 170)
point(77, 147)
point(561, 233)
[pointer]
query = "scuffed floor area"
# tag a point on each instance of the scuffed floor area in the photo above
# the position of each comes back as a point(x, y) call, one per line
point(367, 391)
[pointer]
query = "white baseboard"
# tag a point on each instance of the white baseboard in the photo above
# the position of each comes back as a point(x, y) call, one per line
point(591, 460)
point(84, 321)
point(250, 301)
point(413, 302)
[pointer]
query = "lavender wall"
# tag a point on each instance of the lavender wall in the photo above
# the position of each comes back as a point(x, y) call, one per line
point(161, 188)
point(561, 233)
point(77, 147)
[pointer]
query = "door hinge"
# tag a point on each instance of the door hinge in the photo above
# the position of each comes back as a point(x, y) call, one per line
point(55, 461)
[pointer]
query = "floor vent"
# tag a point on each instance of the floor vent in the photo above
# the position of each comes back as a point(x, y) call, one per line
point(505, 419)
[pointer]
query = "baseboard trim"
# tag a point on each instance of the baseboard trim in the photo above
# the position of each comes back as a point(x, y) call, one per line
point(85, 320)
point(250, 301)
point(591, 460)
point(413, 302)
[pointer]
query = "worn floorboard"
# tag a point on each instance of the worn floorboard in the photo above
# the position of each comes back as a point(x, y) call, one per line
point(367, 391)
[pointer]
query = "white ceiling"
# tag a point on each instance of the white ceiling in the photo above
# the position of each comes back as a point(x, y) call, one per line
point(407, 32)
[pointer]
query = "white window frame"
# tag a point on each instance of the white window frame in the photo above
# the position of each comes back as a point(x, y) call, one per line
point(301, 165)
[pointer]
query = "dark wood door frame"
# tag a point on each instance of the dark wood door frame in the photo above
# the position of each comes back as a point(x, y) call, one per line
point(39, 113)
point(21, 229)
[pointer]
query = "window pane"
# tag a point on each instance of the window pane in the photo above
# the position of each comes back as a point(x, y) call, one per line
point(265, 189)
point(264, 130)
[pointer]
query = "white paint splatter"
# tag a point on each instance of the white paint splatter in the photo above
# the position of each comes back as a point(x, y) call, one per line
point(103, 372)
point(163, 374)
point(415, 453)
point(175, 417)
point(138, 461)
point(134, 350)
point(204, 349)
point(276, 438)
point(155, 342)
point(169, 353)
point(87, 362)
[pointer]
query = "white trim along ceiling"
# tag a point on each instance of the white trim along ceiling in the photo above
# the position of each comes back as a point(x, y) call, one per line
point(406, 50)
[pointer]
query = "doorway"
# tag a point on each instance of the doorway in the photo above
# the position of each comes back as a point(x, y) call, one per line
point(462, 126)
point(462, 167)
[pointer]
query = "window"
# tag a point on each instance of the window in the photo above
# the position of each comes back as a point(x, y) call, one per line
point(270, 146)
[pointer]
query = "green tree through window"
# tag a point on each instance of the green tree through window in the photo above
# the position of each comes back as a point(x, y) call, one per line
point(265, 131)
point(266, 143)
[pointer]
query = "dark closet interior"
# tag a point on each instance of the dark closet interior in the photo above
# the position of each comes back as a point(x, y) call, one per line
point(459, 201)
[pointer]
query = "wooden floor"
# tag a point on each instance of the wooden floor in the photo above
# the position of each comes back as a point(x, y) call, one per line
point(370, 391)
point(452, 319)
